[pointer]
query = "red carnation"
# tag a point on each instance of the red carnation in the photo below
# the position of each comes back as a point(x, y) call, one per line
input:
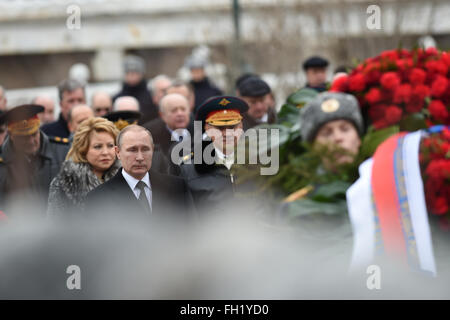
point(435, 66)
point(417, 76)
point(403, 93)
point(371, 66)
point(404, 64)
point(431, 51)
point(438, 169)
point(420, 92)
point(390, 80)
point(417, 101)
point(445, 57)
point(446, 134)
point(356, 82)
point(438, 111)
point(340, 84)
point(439, 86)
point(373, 77)
point(373, 96)
point(393, 114)
point(440, 206)
point(390, 54)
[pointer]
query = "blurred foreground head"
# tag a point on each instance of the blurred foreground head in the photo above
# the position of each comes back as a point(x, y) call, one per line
point(23, 128)
point(226, 258)
point(333, 120)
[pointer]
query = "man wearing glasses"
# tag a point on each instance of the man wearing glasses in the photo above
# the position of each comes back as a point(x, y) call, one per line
point(101, 104)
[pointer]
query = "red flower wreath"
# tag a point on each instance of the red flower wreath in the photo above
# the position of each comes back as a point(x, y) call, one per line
point(435, 162)
point(399, 83)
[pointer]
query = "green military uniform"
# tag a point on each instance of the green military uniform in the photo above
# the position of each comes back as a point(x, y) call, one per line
point(25, 177)
point(213, 185)
point(209, 184)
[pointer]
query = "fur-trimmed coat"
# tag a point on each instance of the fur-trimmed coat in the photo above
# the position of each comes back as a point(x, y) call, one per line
point(69, 188)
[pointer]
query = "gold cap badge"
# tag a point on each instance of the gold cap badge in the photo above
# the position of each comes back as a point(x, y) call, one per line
point(330, 105)
point(224, 102)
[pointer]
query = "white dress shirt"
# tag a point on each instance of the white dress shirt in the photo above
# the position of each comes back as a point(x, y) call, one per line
point(132, 182)
point(226, 160)
point(176, 133)
point(264, 118)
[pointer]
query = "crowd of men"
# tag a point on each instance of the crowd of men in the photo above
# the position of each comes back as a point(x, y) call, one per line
point(152, 119)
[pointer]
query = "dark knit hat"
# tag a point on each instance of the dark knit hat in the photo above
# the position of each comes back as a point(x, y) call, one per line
point(326, 107)
point(315, 62)
point(253, 87)
point(134, 63)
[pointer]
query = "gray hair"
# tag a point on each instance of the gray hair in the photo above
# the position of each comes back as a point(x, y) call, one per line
point(156, 79)
point(180, 83)
point(165, 100)
point(121, 99)
point(132, 127)
point(69, 85)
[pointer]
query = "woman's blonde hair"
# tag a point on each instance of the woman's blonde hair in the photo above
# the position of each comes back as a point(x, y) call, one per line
point(82, 137)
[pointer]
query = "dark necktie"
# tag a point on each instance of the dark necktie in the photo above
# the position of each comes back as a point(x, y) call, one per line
point(143, 197)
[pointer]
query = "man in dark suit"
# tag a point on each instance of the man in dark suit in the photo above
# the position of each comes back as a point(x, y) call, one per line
point(137, 192)
point(174, 121)
point(257, 94)
point(71, 93)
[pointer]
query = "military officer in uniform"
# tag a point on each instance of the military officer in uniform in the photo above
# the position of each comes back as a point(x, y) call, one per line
point(29, 160)
point(212, 182)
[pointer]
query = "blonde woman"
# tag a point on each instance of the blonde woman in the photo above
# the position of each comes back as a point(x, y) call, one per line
point(90, 162)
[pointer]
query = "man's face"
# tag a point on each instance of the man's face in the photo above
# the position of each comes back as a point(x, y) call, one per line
point(257, 106)
point(185, 92)
point(133, 78)
point(48, 114)
point(160, 90)
point(2, 100)
point(135, 153)
point(102, 105)
point(342, 134)
point(270, 101)
point(197, 74)
point(176, 113)
point(29, 144)
point(71, 99)
point(79, 114)
point(225, 138)
point(49, 109)
point(316, 76)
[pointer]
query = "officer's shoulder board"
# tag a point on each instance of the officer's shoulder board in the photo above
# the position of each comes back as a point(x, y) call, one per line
point(299, 194)
point(187, 158)
point(59, 140)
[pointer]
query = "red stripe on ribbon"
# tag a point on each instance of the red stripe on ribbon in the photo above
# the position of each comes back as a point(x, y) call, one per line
point(386, 198)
